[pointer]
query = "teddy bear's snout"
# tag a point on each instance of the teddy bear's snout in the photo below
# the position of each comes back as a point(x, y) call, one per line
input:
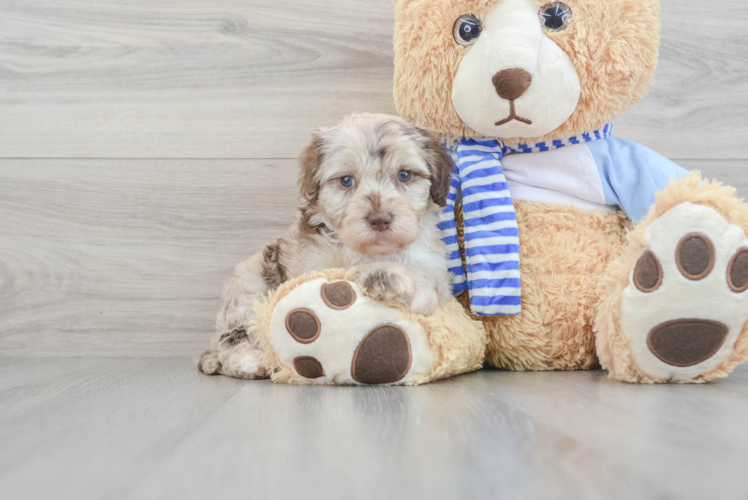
point(512, 83)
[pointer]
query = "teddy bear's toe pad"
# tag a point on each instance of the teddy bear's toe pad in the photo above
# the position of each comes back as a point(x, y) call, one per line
point(339, 295)
point(686, 305)
point(303, 325)
point(695, 256)
point(738, 272)
point(308, 367)
point(332, 333)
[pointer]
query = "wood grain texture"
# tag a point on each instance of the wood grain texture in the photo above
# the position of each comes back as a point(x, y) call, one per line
point(128, 257)
point(252, 78)
point(196, 78)
point(144, 429)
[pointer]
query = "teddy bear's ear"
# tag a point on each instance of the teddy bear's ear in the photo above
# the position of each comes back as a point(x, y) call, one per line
point(309, 163)
point(440, 164)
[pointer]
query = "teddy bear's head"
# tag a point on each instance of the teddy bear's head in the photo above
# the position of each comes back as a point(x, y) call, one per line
point(522, 70)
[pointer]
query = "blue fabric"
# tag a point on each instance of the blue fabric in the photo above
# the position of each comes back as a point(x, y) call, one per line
point(632, 174)
point(491, 232)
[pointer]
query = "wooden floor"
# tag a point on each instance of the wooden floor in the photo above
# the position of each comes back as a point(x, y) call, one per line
point(93, 428)
point(146, 147)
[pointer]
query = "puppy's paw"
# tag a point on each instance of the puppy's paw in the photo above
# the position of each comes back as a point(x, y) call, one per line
point(425, 302)
point(390, 284)
point(395, 285)
point(248, 365)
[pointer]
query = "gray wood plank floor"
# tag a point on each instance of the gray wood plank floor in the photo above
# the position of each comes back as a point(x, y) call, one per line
point(88, 428)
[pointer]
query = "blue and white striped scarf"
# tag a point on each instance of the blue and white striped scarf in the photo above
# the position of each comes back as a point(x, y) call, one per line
point(491, 232)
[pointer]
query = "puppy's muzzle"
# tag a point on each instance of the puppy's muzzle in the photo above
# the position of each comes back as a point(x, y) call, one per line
point(380, 222)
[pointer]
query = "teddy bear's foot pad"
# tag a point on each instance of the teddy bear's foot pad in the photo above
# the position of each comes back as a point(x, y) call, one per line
point(331, 333)
point(687, 342)
point(685, 305)
point(383, 357)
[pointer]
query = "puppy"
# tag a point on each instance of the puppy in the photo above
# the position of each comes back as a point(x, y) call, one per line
point(371, 191)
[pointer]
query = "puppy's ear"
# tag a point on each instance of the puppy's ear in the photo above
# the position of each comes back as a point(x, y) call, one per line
point(309, 163)
point(440, 164)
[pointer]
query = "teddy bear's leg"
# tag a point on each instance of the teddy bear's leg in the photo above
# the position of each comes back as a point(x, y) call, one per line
point(325, 329)
point(563, 254)
point(674, 305)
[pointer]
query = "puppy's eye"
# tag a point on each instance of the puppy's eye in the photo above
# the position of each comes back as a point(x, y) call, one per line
point(467, 29)
point(555, 16)
point(404, 176)
point(347, 181)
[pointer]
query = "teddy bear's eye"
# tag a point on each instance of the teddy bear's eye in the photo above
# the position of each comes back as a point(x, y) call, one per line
point(555, 16)
point(467, 29)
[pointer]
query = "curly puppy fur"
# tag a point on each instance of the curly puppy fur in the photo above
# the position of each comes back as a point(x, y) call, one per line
point(356, 210)
point(613, 45)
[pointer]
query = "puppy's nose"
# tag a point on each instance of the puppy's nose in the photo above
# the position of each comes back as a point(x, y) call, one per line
point(379, 222)
point(511, 83)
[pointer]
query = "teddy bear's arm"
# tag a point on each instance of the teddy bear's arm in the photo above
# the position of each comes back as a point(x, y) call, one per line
point(632, 174)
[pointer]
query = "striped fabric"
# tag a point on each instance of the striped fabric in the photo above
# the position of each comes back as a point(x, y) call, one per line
point(491, 231)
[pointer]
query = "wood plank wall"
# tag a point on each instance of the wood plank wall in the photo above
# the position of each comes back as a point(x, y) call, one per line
point(146, 147)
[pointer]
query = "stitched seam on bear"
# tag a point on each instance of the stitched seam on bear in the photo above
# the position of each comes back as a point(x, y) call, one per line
point(637, 268)
point(302, 340)
point(331, 287)
point(298, 364)
point(730, 269)
point(363, 341)
point(712, 257)
point(662, 326)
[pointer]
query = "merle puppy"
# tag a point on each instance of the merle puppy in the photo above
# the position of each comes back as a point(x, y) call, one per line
point(371, 192)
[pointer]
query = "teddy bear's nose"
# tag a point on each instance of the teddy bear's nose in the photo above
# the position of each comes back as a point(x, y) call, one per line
point(512, 83)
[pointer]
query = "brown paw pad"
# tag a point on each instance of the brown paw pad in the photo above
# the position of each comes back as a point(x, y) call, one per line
point(686, 342)
point(737, 272)
point(695, 256)
point(303, 325)
point(308, 367)
point(338, 296)
point(382, 357)
point(648, 273)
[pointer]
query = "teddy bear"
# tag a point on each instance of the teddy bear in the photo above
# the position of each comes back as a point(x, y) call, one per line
point(571, 248)
point(575, 247)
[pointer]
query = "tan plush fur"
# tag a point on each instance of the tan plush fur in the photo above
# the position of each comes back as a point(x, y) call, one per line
point(613, 45)
point(574, 263)
point(564, 253)
point(457, 342)
point(611, 344)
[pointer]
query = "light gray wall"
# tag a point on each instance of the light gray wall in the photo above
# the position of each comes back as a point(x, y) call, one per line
point(146, 147)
